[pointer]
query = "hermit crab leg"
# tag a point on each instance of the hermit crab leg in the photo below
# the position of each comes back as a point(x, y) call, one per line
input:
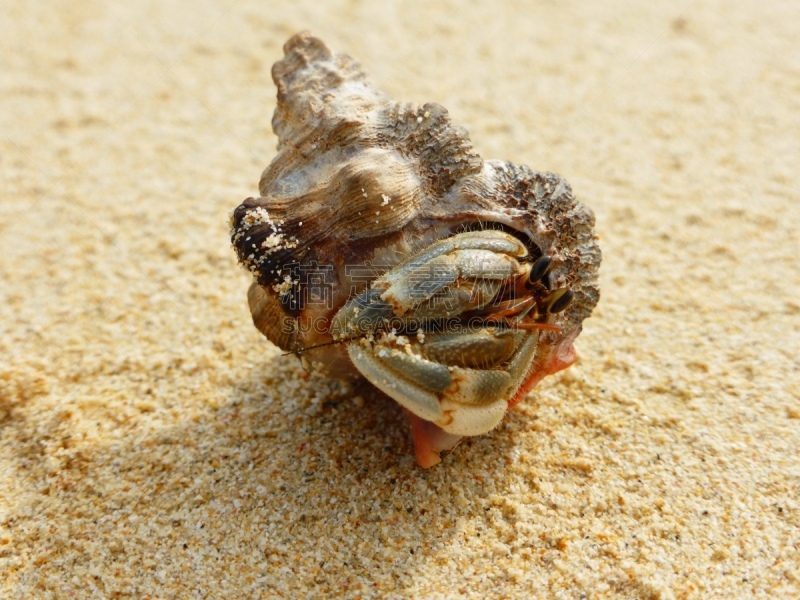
point(485, 258)
point(428, 387)
point(415, 398)
point(564, 356)
point(491, 240)
point(363, 314)
point(429, 440)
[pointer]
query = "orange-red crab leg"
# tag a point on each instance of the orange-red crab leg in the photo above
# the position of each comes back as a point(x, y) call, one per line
point(429, 440)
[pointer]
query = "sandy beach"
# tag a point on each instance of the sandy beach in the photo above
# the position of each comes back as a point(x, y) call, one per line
point(153, 444)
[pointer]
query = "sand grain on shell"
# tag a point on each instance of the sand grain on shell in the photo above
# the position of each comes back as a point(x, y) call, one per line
point(153, 444)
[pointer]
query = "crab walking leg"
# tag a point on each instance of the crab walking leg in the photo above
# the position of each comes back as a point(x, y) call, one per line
point(522, 366)
point(451, 412)
point(498, 242)
point(467, 269)
point(485, 348)
point(460, 399)
point(361, 315)
point(523, 359)
point(409, 395)
point(429, 440)
point(558, 361)
point(444, 285)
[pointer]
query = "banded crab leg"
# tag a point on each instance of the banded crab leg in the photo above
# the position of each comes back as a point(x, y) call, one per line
point(446, 401)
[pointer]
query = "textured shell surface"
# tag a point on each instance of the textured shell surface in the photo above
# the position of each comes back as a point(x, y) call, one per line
point(361, 182)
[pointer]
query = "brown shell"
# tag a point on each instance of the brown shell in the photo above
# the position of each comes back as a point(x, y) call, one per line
point(361, 179)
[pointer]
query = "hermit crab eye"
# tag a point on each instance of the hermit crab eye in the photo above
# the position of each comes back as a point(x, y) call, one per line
point(559, 300)
point(540, 268)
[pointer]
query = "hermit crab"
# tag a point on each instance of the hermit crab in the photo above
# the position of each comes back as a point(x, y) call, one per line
point(382, 246)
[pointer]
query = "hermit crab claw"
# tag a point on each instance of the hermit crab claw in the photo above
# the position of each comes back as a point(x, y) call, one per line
point(382, 246)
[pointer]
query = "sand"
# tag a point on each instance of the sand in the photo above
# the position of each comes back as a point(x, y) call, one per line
point(154, 445)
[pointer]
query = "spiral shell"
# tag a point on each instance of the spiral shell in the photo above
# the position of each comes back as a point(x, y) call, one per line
point(360, 179)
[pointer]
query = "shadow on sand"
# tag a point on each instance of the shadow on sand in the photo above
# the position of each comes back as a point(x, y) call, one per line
point(288, 480)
